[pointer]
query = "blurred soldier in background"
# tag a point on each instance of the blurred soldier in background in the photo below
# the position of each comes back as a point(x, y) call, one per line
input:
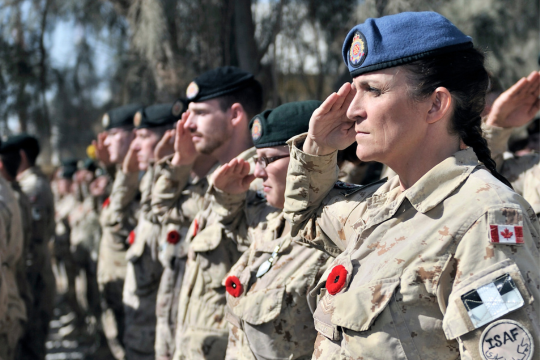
point(12, 324)
point(117, 220)
point(144, 268)
point(66, 268)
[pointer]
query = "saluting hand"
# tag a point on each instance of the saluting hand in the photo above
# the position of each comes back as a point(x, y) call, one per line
point(234, 177)
point(102, 153)
point(184, 150)
point(329, 127)
point(517, 106)
point(165, 146)
point(130, 165)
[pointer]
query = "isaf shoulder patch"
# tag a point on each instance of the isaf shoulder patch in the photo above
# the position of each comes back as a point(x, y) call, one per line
point(506, 339)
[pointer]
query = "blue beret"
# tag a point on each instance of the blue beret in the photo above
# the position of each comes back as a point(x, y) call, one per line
point(400, 39)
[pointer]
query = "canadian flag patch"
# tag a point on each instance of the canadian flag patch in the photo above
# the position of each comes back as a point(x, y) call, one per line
point(506, 234)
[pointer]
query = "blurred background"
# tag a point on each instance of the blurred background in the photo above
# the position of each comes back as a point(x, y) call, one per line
point(64, 62)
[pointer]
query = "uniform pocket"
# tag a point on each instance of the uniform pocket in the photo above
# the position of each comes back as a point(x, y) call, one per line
point(207, 239)
point(260, 307)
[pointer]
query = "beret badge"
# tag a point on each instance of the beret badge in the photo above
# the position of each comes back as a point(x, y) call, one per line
point(137, 119)
point(256, 130)
point(177, 108)
point(358, 51)
point(192, 90)
point(105, 120)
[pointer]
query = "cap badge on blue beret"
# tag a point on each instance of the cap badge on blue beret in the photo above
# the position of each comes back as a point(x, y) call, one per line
point(177, 108)
point(137, 119)
point(192, 90)
point(359, 50)
point(106, 120)
point(256, 130)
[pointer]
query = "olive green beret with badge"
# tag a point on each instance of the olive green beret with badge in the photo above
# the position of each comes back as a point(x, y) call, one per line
point(219, 82)
point(120, 116)
point(274, 127)
point(69, 168)
point(154, 116)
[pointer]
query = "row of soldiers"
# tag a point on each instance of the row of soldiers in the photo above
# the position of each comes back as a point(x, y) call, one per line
point(166, 236)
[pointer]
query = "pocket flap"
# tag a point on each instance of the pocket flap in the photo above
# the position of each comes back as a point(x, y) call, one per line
point(503, 287)
point(357, 308)
point(207, 239)
point(260, 307)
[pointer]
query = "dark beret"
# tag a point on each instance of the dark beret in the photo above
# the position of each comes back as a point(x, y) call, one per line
point(179, 107)
point(22, 141)
point(69, 167)
point(154, 116)
point(218, 82)
point(120, 116)
point(399, 39)
point(87, 164)
point(275, 127)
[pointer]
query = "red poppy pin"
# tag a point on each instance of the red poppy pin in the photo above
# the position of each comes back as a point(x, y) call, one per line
point(173, 237)
point(131, 237)
point(195, 227)
point(106, 203)
point(233, 286)
point(336, 279)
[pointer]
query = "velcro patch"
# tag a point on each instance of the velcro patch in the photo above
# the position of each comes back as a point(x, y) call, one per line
point(506, 234)
point(491, 301)
point(506, 339)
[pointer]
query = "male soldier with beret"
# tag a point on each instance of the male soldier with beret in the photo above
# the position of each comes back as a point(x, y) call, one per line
point(117, 219)
point(11, 248)
point(222, 101)
point(143, 268)
point(38, 261)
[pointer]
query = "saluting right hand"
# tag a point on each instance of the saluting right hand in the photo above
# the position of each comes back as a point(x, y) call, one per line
point(184, 150)
point(130, 164)
point(234, 177)
point(329, 127)
point(102, 153)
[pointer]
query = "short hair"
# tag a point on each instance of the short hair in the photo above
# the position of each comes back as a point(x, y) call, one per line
point(30, 146)
point(11, 161)
point(249, 97)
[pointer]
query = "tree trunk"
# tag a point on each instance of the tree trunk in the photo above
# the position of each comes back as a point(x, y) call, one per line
point(246, 46)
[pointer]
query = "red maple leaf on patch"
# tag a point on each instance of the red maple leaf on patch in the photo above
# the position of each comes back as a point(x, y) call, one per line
point(507, 234)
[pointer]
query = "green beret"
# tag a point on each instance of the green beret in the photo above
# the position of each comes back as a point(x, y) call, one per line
point(69, 168)
point(179, 107)
point(22, 141)
point(275, 127)
point(120, 116)
point(154, 116)
point(87, 164)
point(219, 82)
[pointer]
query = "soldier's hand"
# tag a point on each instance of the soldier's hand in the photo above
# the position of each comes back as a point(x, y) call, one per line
point(517, 106)
point(234, 177)
point(184, 149)
point(165, 146)
point(102, 153)
point(130, 165)
point(329, 127)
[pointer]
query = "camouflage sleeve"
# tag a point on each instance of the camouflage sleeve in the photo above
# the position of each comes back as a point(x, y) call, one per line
point(169, 182)
point(309, 180)
point(236, 337)
point(489, 307)
point(497, 138)
point(228, 207)
point(124, 190)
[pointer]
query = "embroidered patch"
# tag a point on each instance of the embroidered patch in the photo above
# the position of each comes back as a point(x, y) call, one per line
point(137, 119)
point(173, 237)
point(506, 339)
point(131, 237)
point(233, 286)
point(177, 108)
point(359, 50)
point(493, 300)
point(506, 234)
point(105, 120)
point(336, 279)
point(256, 130)
point(192, 90)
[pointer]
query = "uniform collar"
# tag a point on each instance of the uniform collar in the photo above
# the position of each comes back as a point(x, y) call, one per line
point(439, 182)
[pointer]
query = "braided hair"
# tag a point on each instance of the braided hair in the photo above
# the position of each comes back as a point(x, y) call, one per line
point(464, 75)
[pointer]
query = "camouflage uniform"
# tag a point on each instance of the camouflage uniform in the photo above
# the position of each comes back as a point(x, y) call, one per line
point(523, 171)
point(202, 330)
point(272, 318)
point(409, 262)
point(117, 219)
point(12, 324)
point(176, 198)
point(142, 279)
point(39, 270)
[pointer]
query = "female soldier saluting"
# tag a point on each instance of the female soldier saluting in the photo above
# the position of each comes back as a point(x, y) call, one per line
point(442, 259)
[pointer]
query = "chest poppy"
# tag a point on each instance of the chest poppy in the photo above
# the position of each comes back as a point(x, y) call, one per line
point(336, 279)
point(131, 237)
point(173, 237)
point(233, 286)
